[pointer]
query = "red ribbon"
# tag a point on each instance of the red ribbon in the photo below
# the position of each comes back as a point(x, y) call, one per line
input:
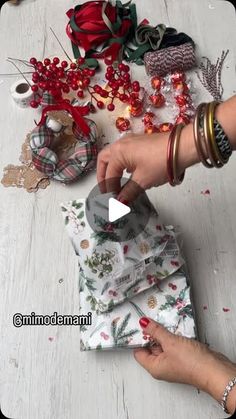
point(75, 111)
point(93, 30)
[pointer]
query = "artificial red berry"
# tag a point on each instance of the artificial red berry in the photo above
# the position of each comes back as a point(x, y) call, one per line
point(56, 60)
point(35, 76)
point(53, 67)
point(74, 86)
point(126, 69)
point(136, 86)
point(110, 69)
point(40, 68)
point(126, 77)
point(34, 88)
point(111, 107)
point(81, 61)
point(108, 61)
point(91, 72)
point(33, 61)
point(34, 104)
point(55, 93)
point(64, 64)
point(48, 74)
point(80, 94)
point(65, 88)
point(123, 97)
point(120, 82)
point(47, 61)
point(97, 88)
point(73, 66)
point(109, 76)
point(100, 104)
point(85, 72)
point(43, 85)
point(121, 67)
point(127, 86)
point(114, 85)
point(70, 74)
point(104, 93)
point(60, 74)
point(86, 81)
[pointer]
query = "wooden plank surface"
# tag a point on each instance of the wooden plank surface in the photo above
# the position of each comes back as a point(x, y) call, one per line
point(44, 378)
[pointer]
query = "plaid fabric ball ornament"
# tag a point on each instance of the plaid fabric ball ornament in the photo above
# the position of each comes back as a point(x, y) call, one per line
point(77, 164)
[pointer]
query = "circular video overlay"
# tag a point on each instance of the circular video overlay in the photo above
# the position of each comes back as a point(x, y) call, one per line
point(118, 220)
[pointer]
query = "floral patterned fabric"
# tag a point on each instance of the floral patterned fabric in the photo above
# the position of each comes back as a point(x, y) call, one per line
point(167, 302)
point(121, 282)
point(121, 270)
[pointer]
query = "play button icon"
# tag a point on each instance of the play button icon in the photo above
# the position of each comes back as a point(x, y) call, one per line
point(117, 210)
point(112, 220)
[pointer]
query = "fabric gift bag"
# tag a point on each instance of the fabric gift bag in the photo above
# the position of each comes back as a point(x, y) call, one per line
point(122, 281)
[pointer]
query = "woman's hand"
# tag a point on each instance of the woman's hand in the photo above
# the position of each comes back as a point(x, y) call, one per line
point(177, 359)
point(144, 156)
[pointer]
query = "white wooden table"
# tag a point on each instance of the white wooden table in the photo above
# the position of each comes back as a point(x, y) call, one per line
point(44, 378)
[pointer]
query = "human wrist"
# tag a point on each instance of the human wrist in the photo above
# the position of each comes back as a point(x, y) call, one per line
point(188, 155)
point(219, 373)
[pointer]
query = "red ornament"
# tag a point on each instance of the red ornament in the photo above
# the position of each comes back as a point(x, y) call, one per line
point(136, 111)
point(148, 117)
point(166, 127)
point(122, 124)
point(182, 100)
point(157, 82)
point(136, 107)
point(181, 87)
point(178, 77)
point(157, 100)
point(182, 119)
point(151, 129)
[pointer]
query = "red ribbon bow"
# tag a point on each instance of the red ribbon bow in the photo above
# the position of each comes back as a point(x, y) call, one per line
point(75, 111)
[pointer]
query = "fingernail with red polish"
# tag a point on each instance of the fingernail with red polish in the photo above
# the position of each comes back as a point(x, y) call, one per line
point(144, 321)
point(123, 201)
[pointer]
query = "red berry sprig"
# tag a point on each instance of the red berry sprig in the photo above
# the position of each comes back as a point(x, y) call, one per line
point(119, 86)
point(59, 77)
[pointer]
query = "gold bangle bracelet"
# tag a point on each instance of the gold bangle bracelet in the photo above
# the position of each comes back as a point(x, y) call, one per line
point(177, 179)
point(207, 138)
point(198, 136)
point(211, 113)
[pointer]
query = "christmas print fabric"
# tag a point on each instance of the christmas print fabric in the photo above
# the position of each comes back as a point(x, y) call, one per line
point(167, 302)
point(122, 281)
point(120, 270)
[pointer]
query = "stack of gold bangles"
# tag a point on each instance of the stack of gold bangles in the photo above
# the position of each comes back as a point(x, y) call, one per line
point(212, 144)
